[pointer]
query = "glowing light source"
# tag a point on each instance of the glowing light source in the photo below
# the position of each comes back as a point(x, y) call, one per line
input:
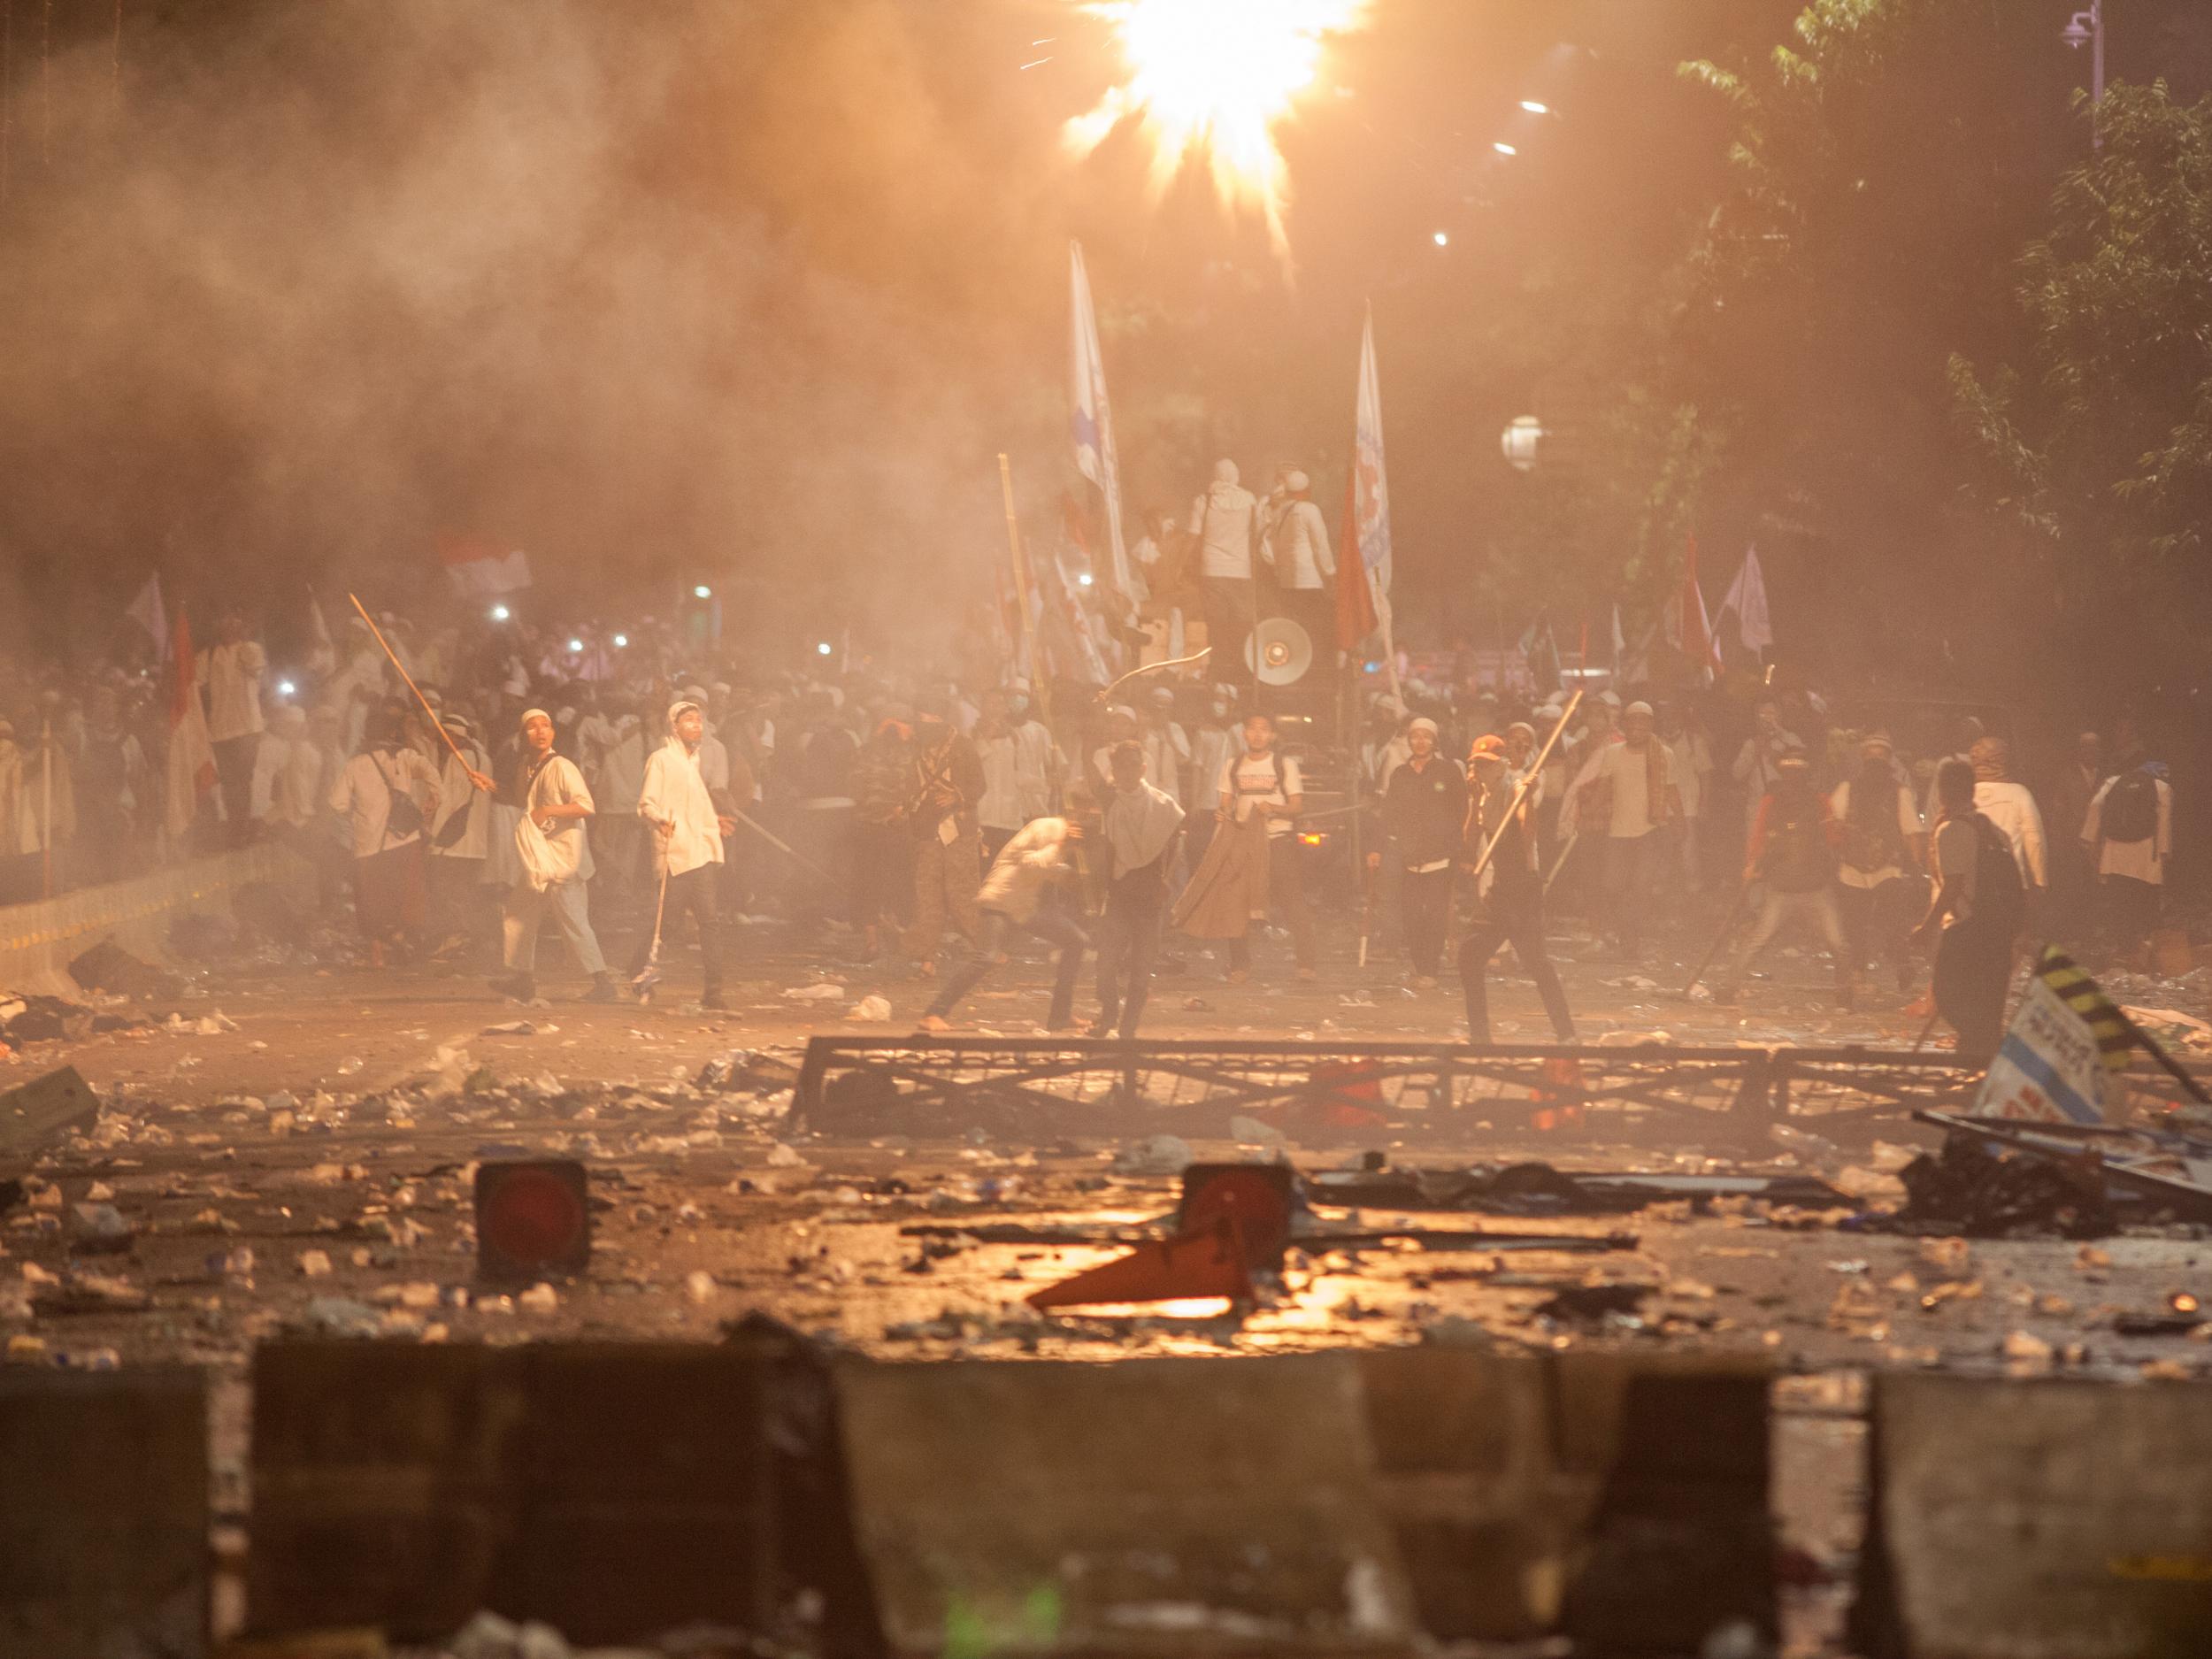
point(1504, 149)
point(500, 613)
point(576, 645)
point(1520, 441)
point(1442, 238)
point(1535, 108)
point(1085, 578)
point(702, 592)
point(822, 649)
point(1213, 79)
point(621, 640)
point(285, 687)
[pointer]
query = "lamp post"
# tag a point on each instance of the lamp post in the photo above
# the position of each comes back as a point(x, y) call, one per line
point(2087, 28)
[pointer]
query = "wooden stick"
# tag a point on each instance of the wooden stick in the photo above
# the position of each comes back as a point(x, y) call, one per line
point(1535, 770)
point(434, 721)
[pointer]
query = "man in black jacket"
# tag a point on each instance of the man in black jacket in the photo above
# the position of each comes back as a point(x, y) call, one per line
point(1424, 808)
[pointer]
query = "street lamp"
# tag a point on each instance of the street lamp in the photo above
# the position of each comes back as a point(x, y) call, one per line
point(1519, 441)
point(2086, 28)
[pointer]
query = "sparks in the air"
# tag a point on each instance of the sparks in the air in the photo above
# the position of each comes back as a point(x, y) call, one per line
point(1213, 78)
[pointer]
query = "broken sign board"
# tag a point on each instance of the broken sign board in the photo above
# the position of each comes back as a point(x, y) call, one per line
point(103, 1513)
point(1147, 1507)
point(2037, 1518)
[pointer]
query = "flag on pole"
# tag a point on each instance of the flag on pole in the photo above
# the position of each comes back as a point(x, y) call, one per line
point(2062, 1059)
point(1091, 424)
point(1689, 629)
point(191, 756)
point(1748, 598)
point(1364, 568)
point(479, 568)
point(148, 611)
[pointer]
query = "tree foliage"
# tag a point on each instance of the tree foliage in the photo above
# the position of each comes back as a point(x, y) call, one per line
point(2100, 444)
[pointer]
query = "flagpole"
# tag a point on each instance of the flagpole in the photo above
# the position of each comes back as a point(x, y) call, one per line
point(1021, 589)
point(430, 713)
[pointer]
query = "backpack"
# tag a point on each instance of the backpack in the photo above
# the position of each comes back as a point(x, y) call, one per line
point(402, 815)
point(2001, 898)
point(2130, 809)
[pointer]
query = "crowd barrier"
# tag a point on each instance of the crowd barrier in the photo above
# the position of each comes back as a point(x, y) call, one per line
point(38, 940)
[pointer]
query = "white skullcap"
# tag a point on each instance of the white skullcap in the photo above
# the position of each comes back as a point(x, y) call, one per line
point(1638, 707)
point(1295, 478)
point(1225, 471)
point(1421, 723)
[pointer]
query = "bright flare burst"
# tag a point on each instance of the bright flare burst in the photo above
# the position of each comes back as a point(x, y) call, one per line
point(1215, 76)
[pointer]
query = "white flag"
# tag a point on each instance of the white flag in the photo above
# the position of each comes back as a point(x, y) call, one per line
point(1371, 487)
point(148, 611)
point(1091, 422)
point(1748, 598)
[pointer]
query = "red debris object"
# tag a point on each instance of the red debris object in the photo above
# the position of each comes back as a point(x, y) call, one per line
point(1235, 1219)
point(1355, 1099)
point(532, 1218)
point(1558, 1104)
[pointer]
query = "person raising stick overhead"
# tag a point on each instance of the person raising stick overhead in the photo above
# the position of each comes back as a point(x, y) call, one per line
point(1509, 890)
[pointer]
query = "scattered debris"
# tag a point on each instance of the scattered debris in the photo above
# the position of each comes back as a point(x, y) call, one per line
point(1967, 1188)
point(107, 966)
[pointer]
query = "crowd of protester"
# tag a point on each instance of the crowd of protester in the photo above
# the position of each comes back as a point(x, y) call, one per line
point(462, 777)
point(868, 802)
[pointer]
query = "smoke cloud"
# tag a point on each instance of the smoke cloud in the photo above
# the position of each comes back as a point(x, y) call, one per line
point(649, 291)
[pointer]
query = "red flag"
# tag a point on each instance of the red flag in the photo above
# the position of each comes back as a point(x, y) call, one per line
point(1355, 617)
point(1692, 629)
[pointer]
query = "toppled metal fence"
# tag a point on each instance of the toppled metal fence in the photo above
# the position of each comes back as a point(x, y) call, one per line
point(929, 1086)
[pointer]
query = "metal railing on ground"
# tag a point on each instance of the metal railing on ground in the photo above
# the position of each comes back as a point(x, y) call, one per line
point(929, 1085)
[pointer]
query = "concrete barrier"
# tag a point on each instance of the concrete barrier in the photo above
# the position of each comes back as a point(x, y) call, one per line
point(103, 1517)
point(1618, 1497)
point(38, 942)
point(1149, 1507)
point(2037, 1518)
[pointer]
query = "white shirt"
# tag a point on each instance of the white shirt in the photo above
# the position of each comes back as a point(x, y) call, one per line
point(2143, 860)
point(675, 789)
point(1250, 781)
point(1297, 547)
point(231, 675)
point(1627, 769)
point(1000, 806)
point(287, 780)
point(364, 792)
point(1222, 516)
point(1165, 749)
point(1016, 879)
point(2012, 809)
